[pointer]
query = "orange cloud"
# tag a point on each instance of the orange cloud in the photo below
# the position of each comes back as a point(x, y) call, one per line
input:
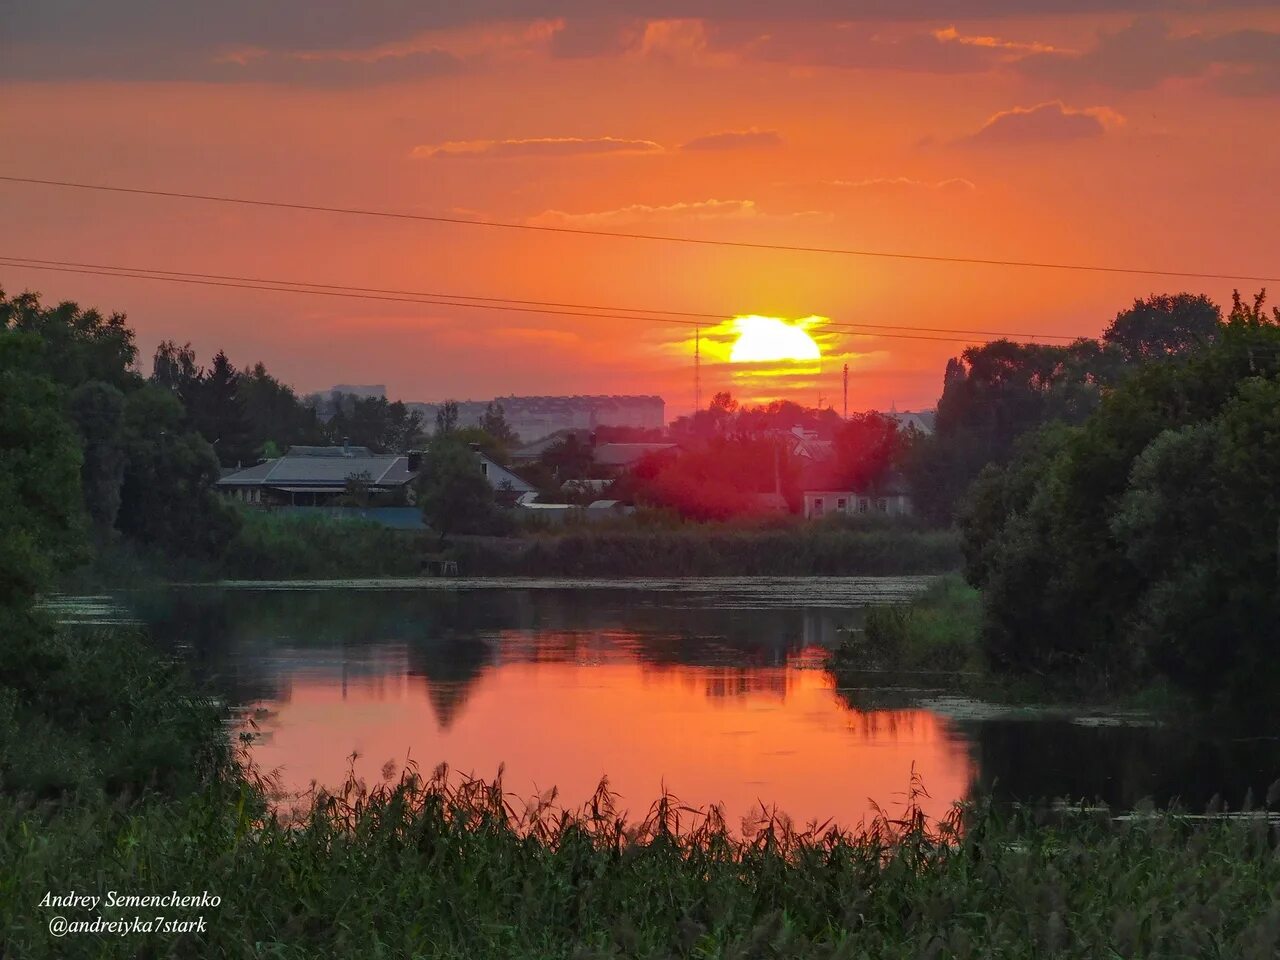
point(1050, 121)
point(532, 147)
point(735, 140)
point(952, 35)
point(885, 184)
point(697, 210)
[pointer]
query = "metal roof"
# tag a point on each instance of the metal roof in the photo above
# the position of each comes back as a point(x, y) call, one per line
point(387, 470)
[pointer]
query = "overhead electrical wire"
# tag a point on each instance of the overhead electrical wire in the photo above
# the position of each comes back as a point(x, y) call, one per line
point(587, 311)
point(626, 235)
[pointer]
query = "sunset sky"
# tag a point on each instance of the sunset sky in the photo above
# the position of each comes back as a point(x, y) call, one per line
point(1137, 133)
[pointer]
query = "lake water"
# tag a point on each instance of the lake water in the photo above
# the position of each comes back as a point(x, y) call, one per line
point(712, 689)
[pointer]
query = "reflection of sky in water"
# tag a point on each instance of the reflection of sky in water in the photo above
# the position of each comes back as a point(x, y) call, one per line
point(711, 689)
point(774, 735)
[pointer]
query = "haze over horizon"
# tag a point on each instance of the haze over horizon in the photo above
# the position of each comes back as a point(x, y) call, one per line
point(1130, 135)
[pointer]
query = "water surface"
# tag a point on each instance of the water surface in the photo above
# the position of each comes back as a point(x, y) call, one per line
point(712, 689)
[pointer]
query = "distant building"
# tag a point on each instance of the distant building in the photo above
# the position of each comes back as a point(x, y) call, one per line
point(533, 418)
point(365, 391)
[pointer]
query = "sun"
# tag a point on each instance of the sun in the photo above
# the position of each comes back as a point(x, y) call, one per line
point(769, 339)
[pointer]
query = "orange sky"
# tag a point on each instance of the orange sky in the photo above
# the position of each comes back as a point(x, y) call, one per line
point(1137, 134)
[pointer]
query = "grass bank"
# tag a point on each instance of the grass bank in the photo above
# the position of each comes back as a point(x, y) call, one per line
point(717, 550)
point(939, 630)
point(439, 867)
point(272, 546)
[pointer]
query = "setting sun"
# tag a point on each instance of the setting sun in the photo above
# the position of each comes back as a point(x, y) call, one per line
point(767, 339)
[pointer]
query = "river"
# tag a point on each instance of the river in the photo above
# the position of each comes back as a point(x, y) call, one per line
point(712, 689)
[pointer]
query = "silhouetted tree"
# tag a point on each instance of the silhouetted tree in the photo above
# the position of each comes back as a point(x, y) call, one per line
point(447, 417)
point(455, 496)
point(98, 411)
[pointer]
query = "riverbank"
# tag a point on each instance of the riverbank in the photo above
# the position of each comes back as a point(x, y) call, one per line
point(279, 547)
point(443, 867)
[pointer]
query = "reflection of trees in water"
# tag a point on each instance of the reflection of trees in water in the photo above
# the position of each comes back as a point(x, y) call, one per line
point(1029, 760)
point(249, 643)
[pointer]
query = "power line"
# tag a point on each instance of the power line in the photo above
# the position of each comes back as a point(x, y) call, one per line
point(458, 300)
point(624, 235)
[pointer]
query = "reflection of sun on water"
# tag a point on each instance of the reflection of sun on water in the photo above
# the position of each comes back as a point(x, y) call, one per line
point(770, 339)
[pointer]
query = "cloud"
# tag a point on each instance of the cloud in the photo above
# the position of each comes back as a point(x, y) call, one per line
point(735, 140)
point(1051, 121)
point(178, 39)
point(532, 147)
point(329, 68)
point(1147, 52)
point(900, 184)
point(594, 37)
point(952, 35)
point(695, 211)
point(857, 46)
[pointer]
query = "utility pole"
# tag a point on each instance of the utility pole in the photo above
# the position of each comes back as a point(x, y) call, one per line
point(697, 370)
point(846, 391)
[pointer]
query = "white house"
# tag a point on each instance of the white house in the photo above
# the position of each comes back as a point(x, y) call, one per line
point(826, 503)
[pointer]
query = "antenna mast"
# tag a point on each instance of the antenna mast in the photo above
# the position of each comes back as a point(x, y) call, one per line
point(846, 391)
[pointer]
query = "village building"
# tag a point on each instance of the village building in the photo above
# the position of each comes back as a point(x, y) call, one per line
point(329, 476)
point(617, 458)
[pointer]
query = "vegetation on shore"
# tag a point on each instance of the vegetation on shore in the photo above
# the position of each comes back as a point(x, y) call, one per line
point(938, 630)
point(717, 550)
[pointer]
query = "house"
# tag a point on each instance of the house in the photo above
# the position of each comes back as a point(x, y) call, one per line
point(320, 476)
point(559, 514)
point(805, 445)
point(506, 485)
point(892, 500)
point(921, 422)
point(530, 452)
point(317, 476)
point(620, 457)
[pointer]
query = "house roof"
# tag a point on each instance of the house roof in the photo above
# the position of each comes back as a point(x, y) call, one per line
point(531, 451)
point(323, 472)
point(298, 450)
point(500, 477)
point(625, 454)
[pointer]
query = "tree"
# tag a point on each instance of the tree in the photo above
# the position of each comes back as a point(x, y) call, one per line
point(277, 418)
point(447, 417)
point(220, 416)
point(494, 422)
point(97, 409)
point(79, 345)
point(1144, 541)
point(455, 496)
point(167, 498)
point(866, 446)
point(1163, 326)
point(41, 524)
point(175, 368)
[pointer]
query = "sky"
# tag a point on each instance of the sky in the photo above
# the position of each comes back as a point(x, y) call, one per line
point(1129, 133)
